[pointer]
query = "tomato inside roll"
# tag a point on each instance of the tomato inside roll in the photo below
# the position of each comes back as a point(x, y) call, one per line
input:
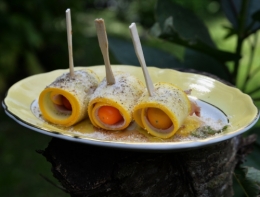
point(109, 115)
point(163, 113)
point(64, 102)
point(111, 106)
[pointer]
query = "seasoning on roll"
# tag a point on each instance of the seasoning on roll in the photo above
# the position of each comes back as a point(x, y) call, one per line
point(163, 113)
point(162, 108)
point(111, 106)
point(64, 102)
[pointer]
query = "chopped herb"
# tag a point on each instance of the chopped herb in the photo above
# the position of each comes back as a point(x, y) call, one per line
point(207, 131)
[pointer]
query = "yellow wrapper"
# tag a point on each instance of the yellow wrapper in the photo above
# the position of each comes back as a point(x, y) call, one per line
point(122, 95)
point(77, 90)
point(168, 98)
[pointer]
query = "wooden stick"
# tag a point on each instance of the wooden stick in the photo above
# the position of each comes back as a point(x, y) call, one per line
point(140, 56)
point(103, 43)
point(69, 36)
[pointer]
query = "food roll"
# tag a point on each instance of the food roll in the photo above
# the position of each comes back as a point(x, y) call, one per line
point(163, 113)
point(111, 106)
point(64, 102)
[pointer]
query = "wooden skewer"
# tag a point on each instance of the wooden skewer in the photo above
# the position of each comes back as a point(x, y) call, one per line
point(140, 56)
point(103, 43)
point(69, 36)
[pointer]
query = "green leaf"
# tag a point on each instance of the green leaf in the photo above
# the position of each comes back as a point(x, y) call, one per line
point(123, 51)
point(232, 10)
point(249, 180)
point(205, 63)
point(181, 26)
point(206, 131)
point(252, 159)
point(184, 22)
point(230, 32)
point(256, 16)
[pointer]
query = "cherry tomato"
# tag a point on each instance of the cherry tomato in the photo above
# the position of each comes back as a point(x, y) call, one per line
point(158, 118)
point(109, 115)
point(66, 103)
point(56, 99)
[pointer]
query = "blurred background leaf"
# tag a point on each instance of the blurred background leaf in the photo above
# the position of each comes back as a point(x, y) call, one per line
point(249, 180)
point(203, 62)
point(123, 51)
point(182, 26)
point(233, 8)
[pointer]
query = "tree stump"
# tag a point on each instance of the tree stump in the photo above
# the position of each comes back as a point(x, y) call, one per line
point(85, 170)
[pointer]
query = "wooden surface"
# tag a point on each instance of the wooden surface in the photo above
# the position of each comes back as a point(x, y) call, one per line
point(86, 170)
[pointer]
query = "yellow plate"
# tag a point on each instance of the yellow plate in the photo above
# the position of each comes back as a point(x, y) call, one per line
point(217, 100)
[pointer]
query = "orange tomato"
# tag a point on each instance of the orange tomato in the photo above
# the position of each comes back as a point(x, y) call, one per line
point(158, 118)
point(56, 99)
point(66, 103)
point(109, 115)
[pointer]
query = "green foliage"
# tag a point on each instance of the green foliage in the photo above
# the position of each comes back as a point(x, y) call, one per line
point(244, 21)
point(249, 180)
point(174, 20)
point(32, 33)
point(21, 166)
point(206, 131)
point(123, 51)
point(256, 16)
